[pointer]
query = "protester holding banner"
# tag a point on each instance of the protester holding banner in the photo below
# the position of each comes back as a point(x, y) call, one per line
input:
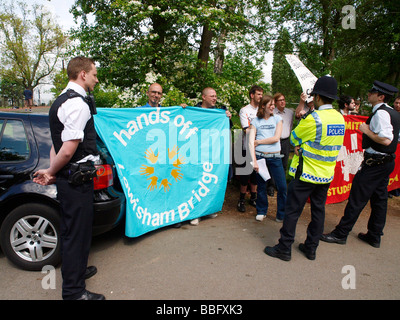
point(380, 139)
point(304, 108)
point(209, 101)
point(396, 106)
point(317, 140)
point(246, 115)
point(264, 143)
point(71, 168)
point(154, 93)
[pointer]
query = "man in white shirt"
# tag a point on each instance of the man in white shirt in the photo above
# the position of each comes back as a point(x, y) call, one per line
point(380, 138)
point(287, 117)
point(72, 156)
point(247, 114)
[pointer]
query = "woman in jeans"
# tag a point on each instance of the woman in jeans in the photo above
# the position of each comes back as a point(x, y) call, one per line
point(264, 142)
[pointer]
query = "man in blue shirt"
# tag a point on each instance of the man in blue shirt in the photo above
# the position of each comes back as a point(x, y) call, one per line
point(28, 99)
point(155, 94)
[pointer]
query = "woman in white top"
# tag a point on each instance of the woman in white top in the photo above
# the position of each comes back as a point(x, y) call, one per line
point(264, 143)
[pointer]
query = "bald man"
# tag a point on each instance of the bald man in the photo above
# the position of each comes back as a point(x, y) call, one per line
point(154, 93)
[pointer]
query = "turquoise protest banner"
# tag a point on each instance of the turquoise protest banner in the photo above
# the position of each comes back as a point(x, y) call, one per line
point(172, 162)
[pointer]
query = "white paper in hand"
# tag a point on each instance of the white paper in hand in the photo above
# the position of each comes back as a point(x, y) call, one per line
point(263, 170)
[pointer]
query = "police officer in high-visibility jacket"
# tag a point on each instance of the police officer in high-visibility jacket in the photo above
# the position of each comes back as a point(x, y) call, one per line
point(317, 140)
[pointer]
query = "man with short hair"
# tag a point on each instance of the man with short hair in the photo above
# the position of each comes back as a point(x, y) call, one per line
point(246, 115)
point(380, 138)
point(154, 93)
point(72, 158)
point(209, 100)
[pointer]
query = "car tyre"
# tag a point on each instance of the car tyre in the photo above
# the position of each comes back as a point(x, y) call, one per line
point(30, 236)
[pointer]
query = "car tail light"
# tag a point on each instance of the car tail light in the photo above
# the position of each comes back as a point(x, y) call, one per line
point(104, 177)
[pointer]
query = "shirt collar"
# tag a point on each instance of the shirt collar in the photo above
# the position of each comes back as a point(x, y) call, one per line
point(325, 106)
point(77, 88)
point(377, 106)
point(147, 105)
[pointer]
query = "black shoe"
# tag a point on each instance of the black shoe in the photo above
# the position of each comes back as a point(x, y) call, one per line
point(240, 206)
point(90, 272)
point(310, 253)
point(271, 191)
point(252, 202)
point(368, 239)
point(278, 253)
point(87, 295)
point(331, 238)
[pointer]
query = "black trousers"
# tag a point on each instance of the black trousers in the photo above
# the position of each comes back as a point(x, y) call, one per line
point(76, 234)
point(298, 193)
point(285, 150)
point(369, 184)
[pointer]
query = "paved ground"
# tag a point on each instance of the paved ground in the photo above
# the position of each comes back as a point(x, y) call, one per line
point(223, 259)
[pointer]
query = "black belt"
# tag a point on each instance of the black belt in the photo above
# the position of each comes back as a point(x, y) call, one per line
point(78, 173)
point(269, 155)
point(371, 159)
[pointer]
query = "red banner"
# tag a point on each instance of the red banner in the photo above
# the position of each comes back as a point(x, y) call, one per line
point(349, 160)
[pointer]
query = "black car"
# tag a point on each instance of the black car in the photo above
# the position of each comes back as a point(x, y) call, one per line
point(29, 212)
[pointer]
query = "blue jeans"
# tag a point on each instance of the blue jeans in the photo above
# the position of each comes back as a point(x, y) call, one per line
point(277, 172)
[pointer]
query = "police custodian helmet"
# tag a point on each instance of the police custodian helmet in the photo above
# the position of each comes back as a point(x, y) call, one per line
point(326, 86)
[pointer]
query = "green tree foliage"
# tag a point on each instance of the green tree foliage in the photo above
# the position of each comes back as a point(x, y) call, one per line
point(11, 88)
point(175, 40)
point(355, 57)
point(372, 50)
point(31, 43)
point(283, 78)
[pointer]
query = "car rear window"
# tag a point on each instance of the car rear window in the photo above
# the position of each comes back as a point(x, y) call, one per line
point(14, 145)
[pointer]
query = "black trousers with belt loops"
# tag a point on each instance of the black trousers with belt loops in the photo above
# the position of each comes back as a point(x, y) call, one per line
point(298, 194)
point(76, 234)
point(369, 184)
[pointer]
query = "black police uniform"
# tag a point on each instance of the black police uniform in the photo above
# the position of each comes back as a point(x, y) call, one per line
point(370, 183)
point(76, 201)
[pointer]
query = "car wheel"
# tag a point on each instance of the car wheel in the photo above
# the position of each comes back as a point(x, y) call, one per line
point(30, 236)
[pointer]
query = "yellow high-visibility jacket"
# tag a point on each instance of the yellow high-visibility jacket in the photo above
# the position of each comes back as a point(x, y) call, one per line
point(320, 136)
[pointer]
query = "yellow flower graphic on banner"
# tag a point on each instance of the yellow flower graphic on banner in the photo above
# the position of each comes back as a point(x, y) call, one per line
point(150, 170)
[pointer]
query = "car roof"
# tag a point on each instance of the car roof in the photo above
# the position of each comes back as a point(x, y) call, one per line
point(39, 118)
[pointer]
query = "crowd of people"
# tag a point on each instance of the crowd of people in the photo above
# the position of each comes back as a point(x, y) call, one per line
point(317, 140)
point(267, 136)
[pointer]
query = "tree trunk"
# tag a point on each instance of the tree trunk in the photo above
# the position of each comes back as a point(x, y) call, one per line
point(204, 51)
point(219, 53)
